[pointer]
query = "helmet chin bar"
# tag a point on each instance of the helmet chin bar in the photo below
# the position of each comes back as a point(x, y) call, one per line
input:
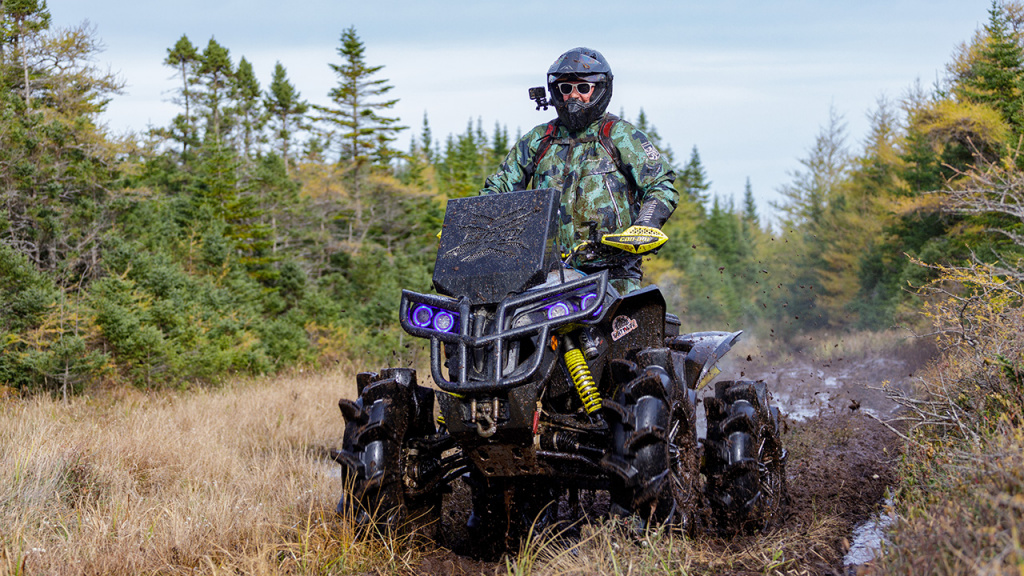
point(574, 106)
point(576, 114)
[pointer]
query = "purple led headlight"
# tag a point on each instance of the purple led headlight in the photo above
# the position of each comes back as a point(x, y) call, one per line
point(588, 300)
point(444, 321)
point(559, 309)
point(422, 315)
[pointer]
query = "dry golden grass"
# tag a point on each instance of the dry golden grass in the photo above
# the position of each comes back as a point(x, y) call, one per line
point(609, 549)
point(236, 480)
point(232, 480)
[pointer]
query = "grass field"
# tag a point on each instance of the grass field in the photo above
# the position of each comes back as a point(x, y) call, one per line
point(237, 480)
point(225, 481)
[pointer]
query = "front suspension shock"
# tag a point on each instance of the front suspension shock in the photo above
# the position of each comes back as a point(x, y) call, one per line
point(583, 380)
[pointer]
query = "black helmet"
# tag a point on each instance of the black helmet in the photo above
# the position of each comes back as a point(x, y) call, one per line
point(583, 65)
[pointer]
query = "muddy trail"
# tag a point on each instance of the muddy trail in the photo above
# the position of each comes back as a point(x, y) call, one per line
point(841, 461)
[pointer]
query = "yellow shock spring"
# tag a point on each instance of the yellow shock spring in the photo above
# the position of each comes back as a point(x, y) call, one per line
point(585, 385)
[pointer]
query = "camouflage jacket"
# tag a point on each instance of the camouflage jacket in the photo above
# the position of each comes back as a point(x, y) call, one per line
point(597, 197)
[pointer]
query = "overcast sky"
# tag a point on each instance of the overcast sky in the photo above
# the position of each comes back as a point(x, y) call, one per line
point(749, 83)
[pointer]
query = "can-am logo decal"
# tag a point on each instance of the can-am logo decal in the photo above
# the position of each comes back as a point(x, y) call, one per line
point(621, 326)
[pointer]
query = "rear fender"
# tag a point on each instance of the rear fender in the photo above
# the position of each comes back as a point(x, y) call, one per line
point(703, 351)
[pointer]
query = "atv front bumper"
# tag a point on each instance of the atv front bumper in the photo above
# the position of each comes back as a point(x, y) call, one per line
point(493, 330)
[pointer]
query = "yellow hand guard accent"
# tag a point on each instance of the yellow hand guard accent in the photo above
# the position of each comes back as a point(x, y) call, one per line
point(636, 239)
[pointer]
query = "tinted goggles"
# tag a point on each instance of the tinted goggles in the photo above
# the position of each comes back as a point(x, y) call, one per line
point(582, 88)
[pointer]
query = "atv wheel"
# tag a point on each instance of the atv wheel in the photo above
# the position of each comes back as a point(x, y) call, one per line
point(745, 463)
point(655, 463)
point(383, 465)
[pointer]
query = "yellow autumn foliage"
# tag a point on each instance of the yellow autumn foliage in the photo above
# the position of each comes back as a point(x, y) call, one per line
point(975, 126)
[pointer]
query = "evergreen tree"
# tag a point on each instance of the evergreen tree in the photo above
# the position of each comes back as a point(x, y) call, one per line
point(499, 148)
point(58, 167)
point(814, 198)
point(645, 126)
point(286, 110)
point(692, 180)
point(357, 114)
point(216, 76)
point(749, 206)
point(995, 76)
point(58, 174)
point(184, 58)
point(248, 109)
point(731, 242)
point(462, 168)
point(427, 139)
point(22, 23)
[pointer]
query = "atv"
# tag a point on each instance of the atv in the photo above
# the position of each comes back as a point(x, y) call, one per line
point(551, 382)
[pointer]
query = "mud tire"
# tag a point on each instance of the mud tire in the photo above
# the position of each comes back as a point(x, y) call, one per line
point(745, 462)
point(654, 462)
point(380, 457)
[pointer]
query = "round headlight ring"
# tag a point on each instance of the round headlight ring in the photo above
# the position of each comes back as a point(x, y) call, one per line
point(444, 321)
point(558, 310)
point(422, 315)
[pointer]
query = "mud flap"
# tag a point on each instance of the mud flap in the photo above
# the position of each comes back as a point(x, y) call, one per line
point(703, 350)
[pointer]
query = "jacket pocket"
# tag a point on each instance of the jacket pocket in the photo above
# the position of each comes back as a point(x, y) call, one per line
point(600, 195)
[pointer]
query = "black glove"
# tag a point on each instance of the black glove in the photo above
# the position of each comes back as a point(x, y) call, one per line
point(653, 213)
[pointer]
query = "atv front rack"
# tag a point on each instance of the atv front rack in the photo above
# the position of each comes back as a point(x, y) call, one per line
point(480, 329)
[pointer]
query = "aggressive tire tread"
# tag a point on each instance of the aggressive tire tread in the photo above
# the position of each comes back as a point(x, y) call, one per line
point(387, 416)
point(655, 473)
point(744, 459)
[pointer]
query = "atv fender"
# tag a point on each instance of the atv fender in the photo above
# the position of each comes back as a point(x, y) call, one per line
point(703, 351)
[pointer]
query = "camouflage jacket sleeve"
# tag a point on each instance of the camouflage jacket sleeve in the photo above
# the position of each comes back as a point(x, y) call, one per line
point(519, 165)
point(647, 166)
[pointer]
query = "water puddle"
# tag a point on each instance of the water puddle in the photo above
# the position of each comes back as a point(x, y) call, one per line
point(869, 536)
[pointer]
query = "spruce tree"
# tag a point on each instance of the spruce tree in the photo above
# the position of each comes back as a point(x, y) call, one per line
point(815, 200)
point(286, 110)
point(248, 108)
point(996, 76)
point(357, 114)
point(499, 148)
point(21, 24)
point(184, 58)
point(645, 126)
point(427, 139)
point(692, 180)
point(749, 206)
point(215, 75)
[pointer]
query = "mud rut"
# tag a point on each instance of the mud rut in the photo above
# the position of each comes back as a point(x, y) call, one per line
point(840, 459)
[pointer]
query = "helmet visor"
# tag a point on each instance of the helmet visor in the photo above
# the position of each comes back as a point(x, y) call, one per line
point(555, 78)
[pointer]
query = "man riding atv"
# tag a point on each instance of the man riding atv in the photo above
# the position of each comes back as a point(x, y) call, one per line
point(611, 176)
point(556, 373)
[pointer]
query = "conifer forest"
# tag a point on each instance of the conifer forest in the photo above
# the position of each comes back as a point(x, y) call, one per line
point(257, 231)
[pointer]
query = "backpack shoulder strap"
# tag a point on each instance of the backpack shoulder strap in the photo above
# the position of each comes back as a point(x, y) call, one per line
point(605, 134)
point(545, 144)
point(545, 141)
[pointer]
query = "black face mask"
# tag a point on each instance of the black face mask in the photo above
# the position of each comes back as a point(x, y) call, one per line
point(574, 106)
point(576, 117)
